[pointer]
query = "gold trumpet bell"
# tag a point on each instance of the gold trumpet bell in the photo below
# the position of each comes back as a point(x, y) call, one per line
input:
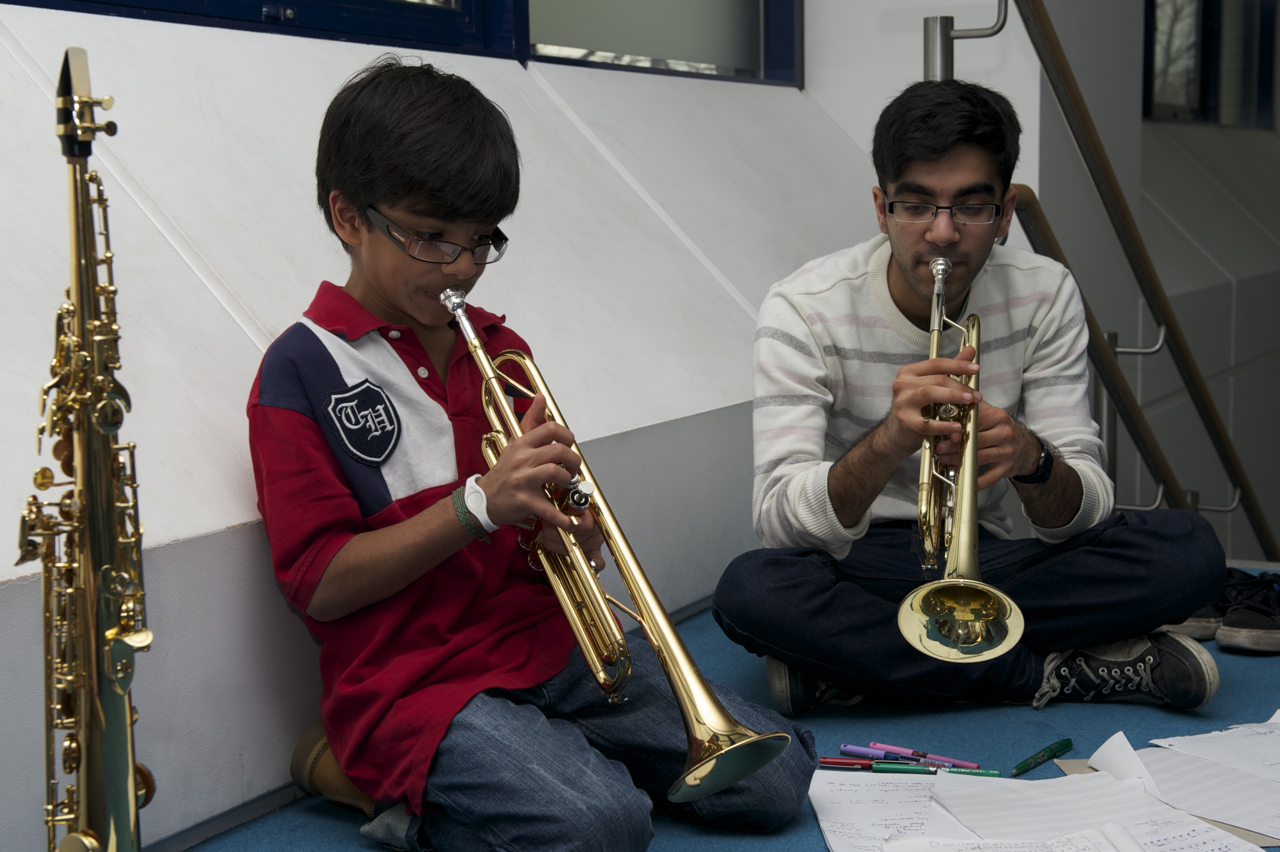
point(960, 620)
point(721, 759)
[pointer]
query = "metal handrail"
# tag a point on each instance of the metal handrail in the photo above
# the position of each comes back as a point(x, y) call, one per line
point(1053, 62)
point(1036, 226)
point(1149, 350)
point(939, 50)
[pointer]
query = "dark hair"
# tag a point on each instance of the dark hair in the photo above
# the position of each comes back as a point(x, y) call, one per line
point(398, 131)
point(930, 118)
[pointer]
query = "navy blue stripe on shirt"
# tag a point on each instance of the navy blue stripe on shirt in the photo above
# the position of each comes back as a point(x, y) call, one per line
point(299, 374)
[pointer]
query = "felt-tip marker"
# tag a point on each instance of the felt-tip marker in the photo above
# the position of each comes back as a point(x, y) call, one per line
point(845, 762)
point(880, 754)
point(964, 764)
point(1044, 755)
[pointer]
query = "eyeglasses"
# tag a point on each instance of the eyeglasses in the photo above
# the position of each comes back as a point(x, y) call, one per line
point(963, 214)
point(438, 251)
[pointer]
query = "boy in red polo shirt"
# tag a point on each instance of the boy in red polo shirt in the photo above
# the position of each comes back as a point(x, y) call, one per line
point(452, 685)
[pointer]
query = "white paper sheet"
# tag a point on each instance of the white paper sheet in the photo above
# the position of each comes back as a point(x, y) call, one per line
point(1118, 758)
point(1214, 791)
point(1052, 809)
point(1249, 748)
point(1011, 809)
point(1109, 838)
point(858, 810)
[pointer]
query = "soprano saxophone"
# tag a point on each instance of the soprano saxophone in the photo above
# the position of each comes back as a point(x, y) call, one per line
point(89, 539)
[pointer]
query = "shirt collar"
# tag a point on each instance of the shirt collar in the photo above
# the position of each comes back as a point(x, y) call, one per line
point(337, 311)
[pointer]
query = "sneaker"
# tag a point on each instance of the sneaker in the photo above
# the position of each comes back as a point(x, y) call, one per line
point(794, 691)
point(1254, 623)
point(1167, 669)
point(1240, 586)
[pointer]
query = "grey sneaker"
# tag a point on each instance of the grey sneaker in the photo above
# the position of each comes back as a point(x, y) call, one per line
point(794, 691)
point(1240, 587)
point(1254, 624)
point(1167, 669)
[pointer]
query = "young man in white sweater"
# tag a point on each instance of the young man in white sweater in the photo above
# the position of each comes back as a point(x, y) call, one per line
point(841, 376)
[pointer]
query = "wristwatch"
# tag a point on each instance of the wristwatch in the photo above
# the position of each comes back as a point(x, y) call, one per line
point(1043, 468)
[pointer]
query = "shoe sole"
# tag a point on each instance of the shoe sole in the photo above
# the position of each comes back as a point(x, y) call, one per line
point(1197, 628)
point(779, 685)
point(1249, 640)
point(1206, 663)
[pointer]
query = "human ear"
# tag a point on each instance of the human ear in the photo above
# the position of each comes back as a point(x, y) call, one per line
point(882, 216)
point(346, 219)
point(1007, 211)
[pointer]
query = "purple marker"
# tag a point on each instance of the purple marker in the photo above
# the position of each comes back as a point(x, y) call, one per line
point(906, 752)
point(873, 753)
point(880, 754)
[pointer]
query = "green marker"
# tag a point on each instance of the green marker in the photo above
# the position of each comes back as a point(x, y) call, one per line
point(985, 773)
point(1058, 749)
point(902, 767)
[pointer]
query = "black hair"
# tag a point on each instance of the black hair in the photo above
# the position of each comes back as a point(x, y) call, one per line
point(931, 117)
point(400, 131)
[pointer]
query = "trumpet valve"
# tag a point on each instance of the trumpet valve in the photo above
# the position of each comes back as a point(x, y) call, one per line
point(579, 494)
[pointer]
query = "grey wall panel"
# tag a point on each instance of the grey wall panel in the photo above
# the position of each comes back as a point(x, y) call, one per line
point(1257, 310)
point(683, 497)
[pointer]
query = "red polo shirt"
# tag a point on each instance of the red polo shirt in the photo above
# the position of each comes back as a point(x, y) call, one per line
point(351, 429)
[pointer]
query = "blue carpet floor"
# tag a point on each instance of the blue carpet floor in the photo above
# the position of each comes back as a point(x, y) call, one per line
point(996, 737)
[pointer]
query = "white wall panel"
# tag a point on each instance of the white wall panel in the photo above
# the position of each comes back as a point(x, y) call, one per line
point(859, 56)
point(759, 177)
point(186, 364)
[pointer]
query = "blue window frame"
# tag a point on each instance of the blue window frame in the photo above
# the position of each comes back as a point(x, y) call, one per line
point(490, 27)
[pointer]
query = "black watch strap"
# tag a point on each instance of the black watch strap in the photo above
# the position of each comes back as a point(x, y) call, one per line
point(1043, 469)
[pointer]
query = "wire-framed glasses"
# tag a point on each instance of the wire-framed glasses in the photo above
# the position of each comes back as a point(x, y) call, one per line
point(963, 214)
point(438, 251)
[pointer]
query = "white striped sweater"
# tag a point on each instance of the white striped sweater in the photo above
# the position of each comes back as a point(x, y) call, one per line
point(829, 342)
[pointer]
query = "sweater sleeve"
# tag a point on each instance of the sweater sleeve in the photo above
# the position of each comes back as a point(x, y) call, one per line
point(1055, 404)
point(793, 397)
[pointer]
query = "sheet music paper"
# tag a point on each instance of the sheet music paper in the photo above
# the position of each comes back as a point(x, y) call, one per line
point(1009, 809)
point(1049, 810)
point(1249, 748)
point(858, 810)
point(1109, 838)
point(1196, 785)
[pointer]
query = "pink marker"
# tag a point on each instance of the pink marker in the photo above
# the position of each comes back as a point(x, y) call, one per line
point(964, 764)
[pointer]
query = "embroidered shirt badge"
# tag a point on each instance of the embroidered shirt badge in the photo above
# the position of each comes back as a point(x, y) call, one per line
point(366, 421)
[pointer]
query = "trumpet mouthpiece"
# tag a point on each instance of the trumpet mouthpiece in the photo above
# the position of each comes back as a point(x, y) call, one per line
point(453, 299)
point(940, 266)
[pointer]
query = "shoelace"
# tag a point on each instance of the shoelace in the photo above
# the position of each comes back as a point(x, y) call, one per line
point(1266, 602)
point(1242, 587)
point(1133, 677)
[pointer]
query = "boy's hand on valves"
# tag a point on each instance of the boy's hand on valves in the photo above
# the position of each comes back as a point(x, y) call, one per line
point(543, 454)
point(588, 534)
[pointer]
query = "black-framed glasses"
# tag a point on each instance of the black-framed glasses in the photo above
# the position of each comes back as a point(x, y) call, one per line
point(964, 214)
point(438, 251)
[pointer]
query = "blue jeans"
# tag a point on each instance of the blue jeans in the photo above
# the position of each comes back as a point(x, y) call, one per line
point(557, 767)
point(837, 619)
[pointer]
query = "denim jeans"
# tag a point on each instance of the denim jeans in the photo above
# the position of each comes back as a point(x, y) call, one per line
point(558, 767)
point(837, 619)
